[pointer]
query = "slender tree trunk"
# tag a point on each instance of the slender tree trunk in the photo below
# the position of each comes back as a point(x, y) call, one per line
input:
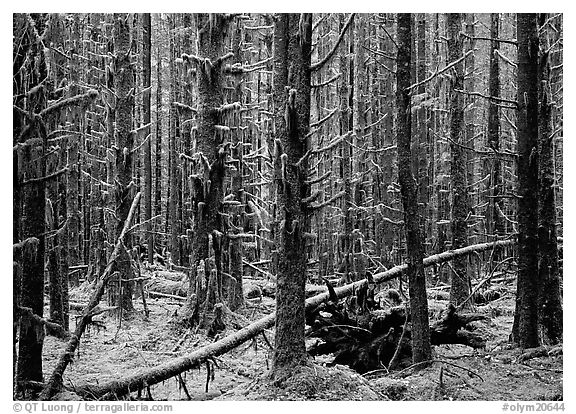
point(173, 223)
point(158, 141)
point(422, 114)
point(525, 328)
point(550, 313)
point(235, 290)
point(346, 158)
point(460, 287)
point(146, 78)
point(418, 300)
point(292, 52)
point(495, 219)
point(358, 126)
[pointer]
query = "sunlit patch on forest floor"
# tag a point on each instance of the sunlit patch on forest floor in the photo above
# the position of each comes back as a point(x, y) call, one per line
point(111, 350)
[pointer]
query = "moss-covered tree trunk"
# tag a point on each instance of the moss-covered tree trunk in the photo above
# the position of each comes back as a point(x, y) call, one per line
point(235, 292)
point(158, 137)
point(30, 134)
point(460, 286)
point(174, 225)
point(423, 137)
point(418, 299)
point(550, 313)
point(209, 171)
point(146, 82)
point(292, 48)
point(495, 220)
point(525, 328)
point(346, 157)
point(124, 138)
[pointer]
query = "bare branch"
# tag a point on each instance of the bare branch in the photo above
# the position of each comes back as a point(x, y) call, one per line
point(318, 65)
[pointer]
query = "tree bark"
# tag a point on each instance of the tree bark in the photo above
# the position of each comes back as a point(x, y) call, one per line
point(124, 137)
point(550, 315)
point(158, 141)
point(208, 178)
point(30, 70)
point(525, 328)
point(292, 58)
point(173, 223)
point(346, 158)
point(418, 300)
point(495, 219)
point(146, 85)
point(460, 287)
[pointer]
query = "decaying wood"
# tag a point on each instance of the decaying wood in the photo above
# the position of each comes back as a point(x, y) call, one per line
point(162, 372)
point(55, 382)
point(368, 339)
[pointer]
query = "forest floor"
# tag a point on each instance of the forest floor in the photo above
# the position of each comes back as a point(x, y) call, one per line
point(115, 350)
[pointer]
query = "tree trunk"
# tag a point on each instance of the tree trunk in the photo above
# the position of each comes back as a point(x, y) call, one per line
point(422, 141)
point(146, 78)
point(460, 287)
point(550, 313)
point(124, 137)
point(209, 172)
point(496, 223)
point(418, 300)
point(173, 222)
point(234, 289)
point(346, 158)
point(158, 141)
point(292, 53)
point(30, 70)
point(525, 328)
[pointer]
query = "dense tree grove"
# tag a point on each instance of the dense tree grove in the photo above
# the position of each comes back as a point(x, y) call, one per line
point(297, 148)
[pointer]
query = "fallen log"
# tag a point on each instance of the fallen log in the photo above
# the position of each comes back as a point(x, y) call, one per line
point(167, 286)
point(54, 384)
point(139, 380)
point(154, 294)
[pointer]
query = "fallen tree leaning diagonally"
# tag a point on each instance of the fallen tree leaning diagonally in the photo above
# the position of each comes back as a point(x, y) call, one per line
point(55, 382)
point(162, 372)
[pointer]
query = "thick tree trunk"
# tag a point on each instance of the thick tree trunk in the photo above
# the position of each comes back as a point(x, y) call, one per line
point(292, 52)
point(418, 299)
point(550, 313)
point(460, 287)
point(208, 180)
point(124, 137)
point(525, 328)
point(30, 70)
